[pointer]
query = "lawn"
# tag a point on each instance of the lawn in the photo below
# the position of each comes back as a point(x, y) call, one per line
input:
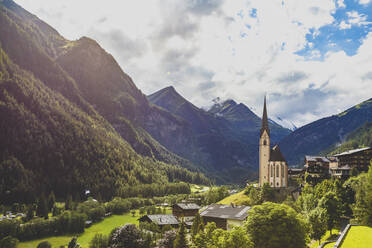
point(103, 227)
point(326, 237)
point(358, 237)
point(238, 199)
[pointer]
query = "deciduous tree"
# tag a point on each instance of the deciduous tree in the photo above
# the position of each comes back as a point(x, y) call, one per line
point(317, 220)
point(332, 206)
point(276, 225)
point(127, 236)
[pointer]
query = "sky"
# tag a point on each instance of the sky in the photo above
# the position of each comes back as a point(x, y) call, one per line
point(313, 58)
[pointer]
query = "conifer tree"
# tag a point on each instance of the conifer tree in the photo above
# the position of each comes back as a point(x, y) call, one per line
point(181, 239)
point(51, 201)
point(42, 207)
point(55, 211)
point(99, 197)
point(68, 203)
point(30, 213)
point(195, 225)
point(73, 243)
point(77, 197)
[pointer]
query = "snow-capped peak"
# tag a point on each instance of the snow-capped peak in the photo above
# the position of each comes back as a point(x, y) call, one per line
point(284, 123)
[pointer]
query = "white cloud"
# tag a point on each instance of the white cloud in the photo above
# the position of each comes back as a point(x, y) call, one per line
point(356, 18)
point(217, 48)
point(364, 2)
point(344, 25)
point(341, 4)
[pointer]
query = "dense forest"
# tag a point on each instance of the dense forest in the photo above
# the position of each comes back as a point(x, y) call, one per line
point(52, 138)
point(361, 137)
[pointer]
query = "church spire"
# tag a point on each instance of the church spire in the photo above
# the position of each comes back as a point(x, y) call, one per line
point(265, 122)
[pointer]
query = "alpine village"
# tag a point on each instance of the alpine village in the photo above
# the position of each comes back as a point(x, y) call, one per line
point(87, 160)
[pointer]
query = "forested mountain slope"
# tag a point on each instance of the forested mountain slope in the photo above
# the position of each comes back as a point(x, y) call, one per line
point(52, 137)
point(326, 134)
point(211, 142)
point(225, 136)
point(362, 137)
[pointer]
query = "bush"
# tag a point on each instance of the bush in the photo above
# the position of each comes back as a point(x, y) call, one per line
point(9, 242)
point(9, 228)
point(71, 222)
point(168, 239)
point(44, 244)
point(127, 236)
point(118, 206)
point(97, 214)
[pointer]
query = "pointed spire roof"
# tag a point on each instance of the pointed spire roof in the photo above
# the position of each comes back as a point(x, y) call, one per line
point(265, 121)
point(276, 154)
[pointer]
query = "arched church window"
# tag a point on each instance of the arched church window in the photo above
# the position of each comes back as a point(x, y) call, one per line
point(282, 170)
point(272, 170)
point(277, 170)
point(265, 143)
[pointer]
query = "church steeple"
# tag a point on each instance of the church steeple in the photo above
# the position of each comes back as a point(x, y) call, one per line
point(265, 122)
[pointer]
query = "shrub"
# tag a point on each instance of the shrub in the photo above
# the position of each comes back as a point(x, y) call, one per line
point(44, 244)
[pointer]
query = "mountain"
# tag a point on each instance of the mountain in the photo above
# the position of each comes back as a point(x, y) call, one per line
point(326, 134)
point(245, 124)
point(92, 79)
point(283, 122)
point(211, 143)
point(362, 137)
point(71, 119)
point(114, 95)
point(226, 136)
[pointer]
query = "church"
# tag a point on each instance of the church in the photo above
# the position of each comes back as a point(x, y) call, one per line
point(273, 166)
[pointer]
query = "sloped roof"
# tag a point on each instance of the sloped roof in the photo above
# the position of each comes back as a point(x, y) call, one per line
point(161, 219)
point(226, 212)
point(188, 206)
point(353, 151)
point(345, 167)
point(316, 159)
point(276, 154)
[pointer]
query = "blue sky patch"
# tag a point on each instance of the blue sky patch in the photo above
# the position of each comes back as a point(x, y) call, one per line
point(351, 25)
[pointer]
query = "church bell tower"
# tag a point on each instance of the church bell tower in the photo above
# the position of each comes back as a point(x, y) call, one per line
point(264, 149)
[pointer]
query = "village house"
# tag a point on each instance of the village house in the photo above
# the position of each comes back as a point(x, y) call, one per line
point(225, 216)
point(317, 168)
point(333, 162)
point(337, 166)
point(181, 210)
point(342, 172)
point(358, 158)
point(295, 172)
point(160, 220)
